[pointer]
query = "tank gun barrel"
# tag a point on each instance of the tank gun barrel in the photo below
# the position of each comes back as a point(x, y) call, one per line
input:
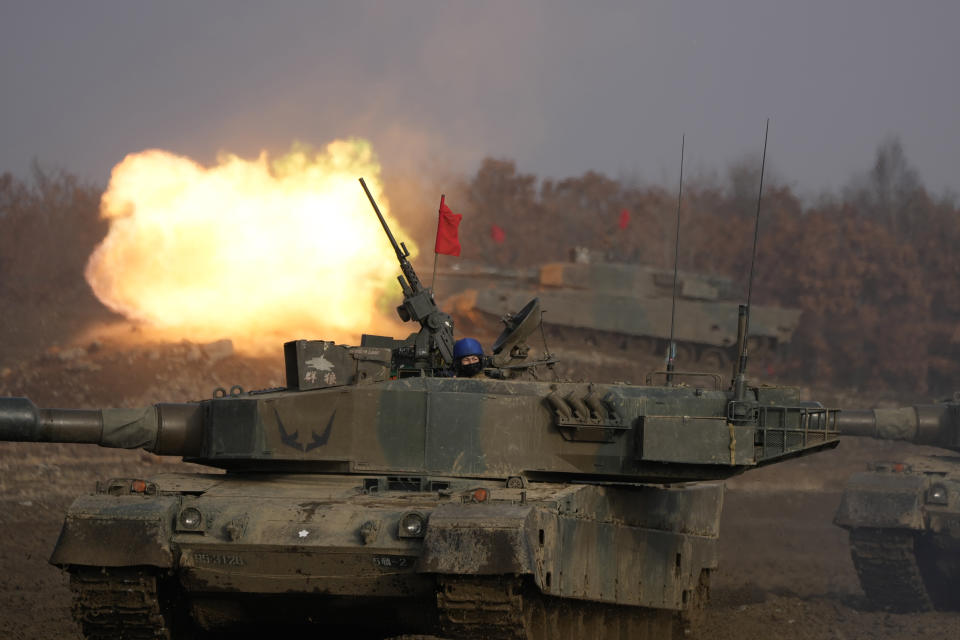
point(931, 424)
point(858, 423)
point(164, 429)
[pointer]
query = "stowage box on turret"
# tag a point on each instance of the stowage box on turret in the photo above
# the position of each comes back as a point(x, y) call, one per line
point(376, 490)
point(904, 516)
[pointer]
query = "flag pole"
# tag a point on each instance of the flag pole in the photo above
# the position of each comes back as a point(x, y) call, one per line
point(436, 256)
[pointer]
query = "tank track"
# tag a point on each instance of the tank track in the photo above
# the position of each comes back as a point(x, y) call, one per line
point(112, 603)
point(476, 607)
point(886, 562)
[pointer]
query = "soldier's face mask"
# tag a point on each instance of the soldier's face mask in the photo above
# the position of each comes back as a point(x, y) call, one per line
point(469, 366)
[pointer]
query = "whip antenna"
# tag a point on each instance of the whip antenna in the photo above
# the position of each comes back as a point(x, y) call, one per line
point(744, 321)
point(672, 347)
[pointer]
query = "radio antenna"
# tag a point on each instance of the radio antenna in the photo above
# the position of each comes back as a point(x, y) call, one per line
point(672, 347)
point(744, 319)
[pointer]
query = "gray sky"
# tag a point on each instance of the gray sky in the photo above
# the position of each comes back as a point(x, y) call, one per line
point(561, 87)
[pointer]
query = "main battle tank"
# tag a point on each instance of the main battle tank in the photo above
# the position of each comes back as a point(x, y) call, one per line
point(376, 490)
point(904, 516)
point(628, 304)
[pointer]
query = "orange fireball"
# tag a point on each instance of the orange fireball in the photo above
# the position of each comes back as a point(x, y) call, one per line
point(253, 250)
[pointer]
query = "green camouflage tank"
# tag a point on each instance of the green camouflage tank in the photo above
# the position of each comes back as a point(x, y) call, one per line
point(377, 491)
point(628, 303)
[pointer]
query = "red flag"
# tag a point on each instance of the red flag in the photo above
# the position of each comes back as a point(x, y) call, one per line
point(624, 219)
point(448, 241)
point(498, 234)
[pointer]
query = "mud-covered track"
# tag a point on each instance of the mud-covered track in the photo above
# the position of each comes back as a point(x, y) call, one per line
point(475, 608)
point(111, 604)
point(886, 562)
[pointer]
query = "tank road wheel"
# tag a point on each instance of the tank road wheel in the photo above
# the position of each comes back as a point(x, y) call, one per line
point(715, 359)
point(127, 602)
point(477, 607)
point(886, 563)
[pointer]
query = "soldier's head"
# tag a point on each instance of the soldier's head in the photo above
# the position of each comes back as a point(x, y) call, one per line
point(467, 357)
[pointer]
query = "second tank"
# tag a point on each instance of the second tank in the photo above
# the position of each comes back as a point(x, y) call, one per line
point(903, 515)
point(622, 305)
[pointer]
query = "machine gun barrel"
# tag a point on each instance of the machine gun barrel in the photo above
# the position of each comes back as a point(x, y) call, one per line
point(164, 429)
point(931, 424)
point(399, 248)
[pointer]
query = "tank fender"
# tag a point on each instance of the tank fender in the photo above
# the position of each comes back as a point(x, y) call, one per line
point(479, 539)
point(882, 500)
point(117, 531)
point(671, 534)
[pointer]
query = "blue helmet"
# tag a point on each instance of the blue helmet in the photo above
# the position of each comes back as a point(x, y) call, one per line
point(466, 347)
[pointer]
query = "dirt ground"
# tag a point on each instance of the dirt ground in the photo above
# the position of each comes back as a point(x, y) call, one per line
point(785, 569)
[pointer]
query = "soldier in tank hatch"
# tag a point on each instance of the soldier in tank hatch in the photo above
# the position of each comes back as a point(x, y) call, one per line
point(467, 358)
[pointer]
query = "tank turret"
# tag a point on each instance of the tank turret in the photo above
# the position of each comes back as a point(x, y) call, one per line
point(375, 488)
point(444, 425)
point(902, 514)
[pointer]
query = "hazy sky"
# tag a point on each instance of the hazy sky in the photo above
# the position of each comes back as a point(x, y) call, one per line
point(561, 87)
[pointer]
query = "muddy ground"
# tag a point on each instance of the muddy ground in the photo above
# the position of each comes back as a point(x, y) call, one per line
point(785, 569)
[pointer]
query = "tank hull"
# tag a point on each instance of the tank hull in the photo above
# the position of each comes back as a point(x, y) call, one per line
point(321, 546)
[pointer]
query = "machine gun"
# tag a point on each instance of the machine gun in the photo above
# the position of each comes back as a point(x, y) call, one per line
point(436, 327)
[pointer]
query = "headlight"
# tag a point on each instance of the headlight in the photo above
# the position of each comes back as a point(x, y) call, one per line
point(937, 494)
point(412, 525)
point(190, 518)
